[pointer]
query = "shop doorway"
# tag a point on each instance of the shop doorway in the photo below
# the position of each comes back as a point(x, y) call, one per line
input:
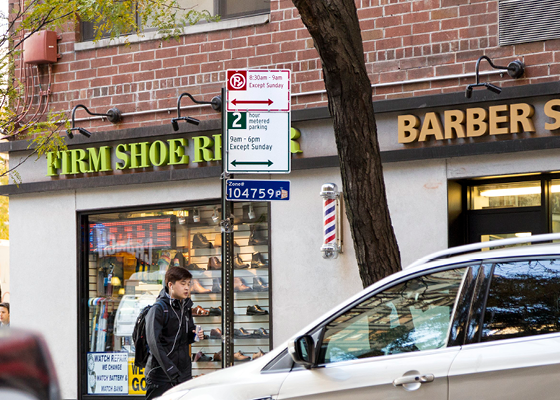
point(507, 207)
point(503, 224)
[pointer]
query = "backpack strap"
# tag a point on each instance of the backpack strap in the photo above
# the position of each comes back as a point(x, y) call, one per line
point(165, 310)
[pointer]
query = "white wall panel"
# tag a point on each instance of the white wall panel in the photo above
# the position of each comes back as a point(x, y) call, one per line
point(305, 285)
point(417, 196)
point(43, 276)
point(149, 194)
point(504, 164)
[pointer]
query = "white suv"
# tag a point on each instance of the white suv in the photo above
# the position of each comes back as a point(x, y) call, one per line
point(460, 324)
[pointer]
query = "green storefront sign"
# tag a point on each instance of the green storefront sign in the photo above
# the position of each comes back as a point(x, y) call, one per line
point(142, 155)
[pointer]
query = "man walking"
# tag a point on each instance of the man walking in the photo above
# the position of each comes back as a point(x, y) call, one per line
point(4, 315)
point(169, 331)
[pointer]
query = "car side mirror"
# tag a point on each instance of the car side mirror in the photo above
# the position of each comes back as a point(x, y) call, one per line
point(302, 350)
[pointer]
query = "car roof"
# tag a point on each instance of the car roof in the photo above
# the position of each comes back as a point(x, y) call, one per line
point(475, 250)
point(456, 256)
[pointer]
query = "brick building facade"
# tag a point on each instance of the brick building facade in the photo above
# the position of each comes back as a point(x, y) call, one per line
point(442, 153)
point(411, 48)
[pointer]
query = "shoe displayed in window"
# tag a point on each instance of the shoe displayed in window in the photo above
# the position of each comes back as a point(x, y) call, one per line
point(239, 356)
point(201, 242)
point(258, 354)
point(257, 237)
point(238, 263)
point(261, 333)
point(218, 356)
point(256, 310)
point(215, 333)
point(242, 333)
point(214, 263)
point(259, 285)
point(201, 357)
point(199, 312)
point(197, 288)
point(258, 261)
point(240, 286)
point(217, 285)
point(215, 311)
point(195, 267)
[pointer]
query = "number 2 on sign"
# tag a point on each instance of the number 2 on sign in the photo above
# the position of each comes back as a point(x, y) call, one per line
point(237, 120)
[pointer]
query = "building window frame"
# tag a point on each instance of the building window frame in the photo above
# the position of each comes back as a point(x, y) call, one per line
point(88, 32)
point(242, 226)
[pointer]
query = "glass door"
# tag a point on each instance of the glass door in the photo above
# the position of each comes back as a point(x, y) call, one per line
point(506, 210)
point(251, 282)
point(127, 254)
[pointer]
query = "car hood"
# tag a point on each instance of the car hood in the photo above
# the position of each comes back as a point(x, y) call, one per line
point(237, 375)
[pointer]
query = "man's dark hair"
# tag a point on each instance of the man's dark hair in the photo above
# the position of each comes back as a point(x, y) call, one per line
point(7, 305)
point(175, 274)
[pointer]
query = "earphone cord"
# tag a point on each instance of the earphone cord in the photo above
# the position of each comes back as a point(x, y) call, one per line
point(180, 325)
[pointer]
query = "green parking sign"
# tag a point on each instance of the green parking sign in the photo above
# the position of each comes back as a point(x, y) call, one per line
point(237, 120)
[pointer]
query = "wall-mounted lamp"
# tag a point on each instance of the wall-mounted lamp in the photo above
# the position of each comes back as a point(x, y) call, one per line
point(332, 232)
point(113, 115)
point(515, 69)
point(216, 215)
point(216, 104)
point(251, 212)
point(182, 216)
point(196, 215)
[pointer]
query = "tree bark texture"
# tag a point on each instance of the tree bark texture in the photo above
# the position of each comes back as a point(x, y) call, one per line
point(335, 29)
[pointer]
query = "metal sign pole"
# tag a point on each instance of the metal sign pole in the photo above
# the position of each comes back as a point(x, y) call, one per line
point(227, 253)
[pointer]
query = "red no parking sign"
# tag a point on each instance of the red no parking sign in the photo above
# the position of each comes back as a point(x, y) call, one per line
point(258, 90)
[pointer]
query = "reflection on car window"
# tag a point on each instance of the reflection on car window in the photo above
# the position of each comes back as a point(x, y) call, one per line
point(411, 316)
point(524, 300)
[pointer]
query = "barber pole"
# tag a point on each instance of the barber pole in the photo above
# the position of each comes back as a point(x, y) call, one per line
point(332, 244)
point(329, 213)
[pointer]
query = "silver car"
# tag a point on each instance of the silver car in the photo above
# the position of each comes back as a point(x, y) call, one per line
point(461, 324)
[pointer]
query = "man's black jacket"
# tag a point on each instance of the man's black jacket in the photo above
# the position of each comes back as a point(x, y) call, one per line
point(169, 359)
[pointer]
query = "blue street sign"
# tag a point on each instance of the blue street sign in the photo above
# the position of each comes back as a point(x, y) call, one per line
point(256, 190)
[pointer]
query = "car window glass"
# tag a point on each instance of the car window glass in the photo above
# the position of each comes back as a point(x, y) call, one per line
point(523, 300)
point(411, 316)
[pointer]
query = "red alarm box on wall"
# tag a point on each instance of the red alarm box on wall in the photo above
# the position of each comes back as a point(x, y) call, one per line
point(41, 48)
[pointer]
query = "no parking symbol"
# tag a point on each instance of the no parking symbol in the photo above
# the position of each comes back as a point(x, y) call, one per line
point(237, 80)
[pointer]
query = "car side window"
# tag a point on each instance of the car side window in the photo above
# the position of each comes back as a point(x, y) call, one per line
point(523, 300)
point(412, 316)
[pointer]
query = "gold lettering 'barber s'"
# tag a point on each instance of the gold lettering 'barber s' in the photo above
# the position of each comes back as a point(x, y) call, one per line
point(474, 122)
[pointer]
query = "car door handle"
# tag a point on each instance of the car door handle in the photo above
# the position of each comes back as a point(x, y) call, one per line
point(413, 379)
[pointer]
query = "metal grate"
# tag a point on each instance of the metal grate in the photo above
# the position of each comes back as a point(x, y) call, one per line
point(524, 21)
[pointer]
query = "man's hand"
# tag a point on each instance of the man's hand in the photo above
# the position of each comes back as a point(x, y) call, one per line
point(199, 332)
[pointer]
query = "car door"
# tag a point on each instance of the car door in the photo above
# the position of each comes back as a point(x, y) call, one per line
point(392, 345)
point(513, 340)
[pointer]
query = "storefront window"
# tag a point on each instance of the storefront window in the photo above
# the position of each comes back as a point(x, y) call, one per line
point(555, 204)
point(505, 195)
point(128, 255)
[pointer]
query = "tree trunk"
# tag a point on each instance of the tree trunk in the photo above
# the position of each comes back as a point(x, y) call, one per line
point(335, 29)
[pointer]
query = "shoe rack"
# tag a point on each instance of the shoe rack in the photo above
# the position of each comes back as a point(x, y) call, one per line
point(251, 272)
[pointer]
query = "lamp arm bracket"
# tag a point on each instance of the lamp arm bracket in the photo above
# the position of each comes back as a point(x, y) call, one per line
point(515, 68)
point(216, 102)
point(113, 115)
